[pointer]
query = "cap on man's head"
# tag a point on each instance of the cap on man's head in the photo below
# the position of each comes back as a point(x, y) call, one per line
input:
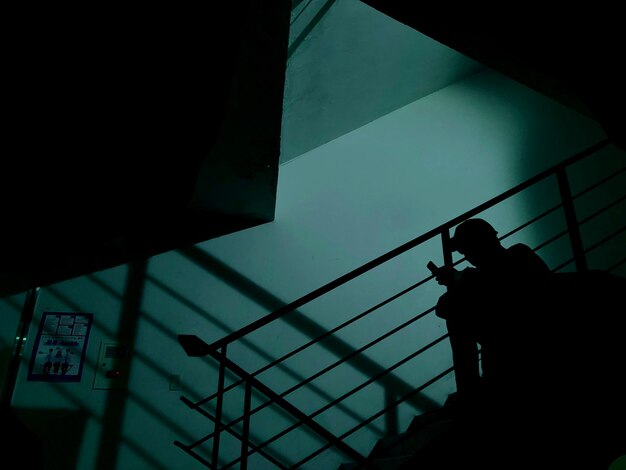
point(472, 232)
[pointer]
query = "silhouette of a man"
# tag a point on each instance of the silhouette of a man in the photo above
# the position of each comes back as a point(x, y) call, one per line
point(488, 304)
point(550, 350)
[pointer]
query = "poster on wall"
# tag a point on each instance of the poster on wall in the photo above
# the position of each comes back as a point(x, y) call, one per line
point(59, 350)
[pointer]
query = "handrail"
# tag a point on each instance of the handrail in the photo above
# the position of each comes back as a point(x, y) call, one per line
point(302, 417)
point(402, 248)
point(378, 414)
point(337, 441)
point(319, 338)
point(339, 362)
point(360, 387)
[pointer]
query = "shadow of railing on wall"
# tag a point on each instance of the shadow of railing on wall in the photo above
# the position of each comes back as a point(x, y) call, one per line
point(239, 427)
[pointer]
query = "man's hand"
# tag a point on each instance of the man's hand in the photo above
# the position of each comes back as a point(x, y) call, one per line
point(442, 308)
point(447, 276)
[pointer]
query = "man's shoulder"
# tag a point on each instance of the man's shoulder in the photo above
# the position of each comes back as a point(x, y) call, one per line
point(520, 247)
point(523, 255)
point(521, 250)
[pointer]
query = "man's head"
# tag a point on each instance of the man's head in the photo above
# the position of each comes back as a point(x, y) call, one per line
point(477, 240)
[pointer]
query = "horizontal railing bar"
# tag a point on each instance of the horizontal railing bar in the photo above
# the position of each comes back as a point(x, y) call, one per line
point(581, 222)
point(278, 399)
point(323, 290)
point(376, 416)
point(602, 210)
point(402, 248)
point(551, 239)
point(532, 221)
point(535, 219)
point(617, 265)
point(289, 408)
point(563, 264)
point(194, 454)
point(604, 240)
point(354, 390)
point(336, 363)
point(570, 260)
point(400, 294)
point(381, 374)
point(599, 183)
point(233, 433)
point(202, 440)
point(560, 205)
point(229, 429)
point(564, 232)
point(319, 338)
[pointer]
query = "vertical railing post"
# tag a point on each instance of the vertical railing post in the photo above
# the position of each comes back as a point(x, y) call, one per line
point(245, 433)
point(571, 221)
point(20, 339)
point(218, 409)
point(447, 252)
point(391, 416)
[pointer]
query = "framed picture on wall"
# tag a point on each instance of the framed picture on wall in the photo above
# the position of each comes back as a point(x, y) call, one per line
point(60, 346)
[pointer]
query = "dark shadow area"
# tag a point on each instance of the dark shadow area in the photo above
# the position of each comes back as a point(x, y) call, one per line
point(135, 397)
point(235, 381)
point(305, 325)
point(163, 121)
point(309, 27)
point(117, 400)
point(113, 414)
point(376, 373)
point(58, 433)
point(572, 58)
point(5, 358)
point(150, 362)
point(547, 389)
point(63, 390)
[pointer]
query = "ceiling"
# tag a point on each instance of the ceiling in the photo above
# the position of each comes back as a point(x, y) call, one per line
point(352, 61)
point(573, 54)
point(348, 64)
point(137, 132)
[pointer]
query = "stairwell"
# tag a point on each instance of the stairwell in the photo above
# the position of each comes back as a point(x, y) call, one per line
point(398, 451)
point(424, 430)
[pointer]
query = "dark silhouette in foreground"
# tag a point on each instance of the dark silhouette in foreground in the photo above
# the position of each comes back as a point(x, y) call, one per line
point(18, 442)
point(539, 361)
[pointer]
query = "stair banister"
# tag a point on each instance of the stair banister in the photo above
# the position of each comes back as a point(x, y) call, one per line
point(403, 248)
point(217, 350)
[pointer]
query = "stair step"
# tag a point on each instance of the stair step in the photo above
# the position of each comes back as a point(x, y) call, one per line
point(444, 413)
point(391, 452)
point(406, 444)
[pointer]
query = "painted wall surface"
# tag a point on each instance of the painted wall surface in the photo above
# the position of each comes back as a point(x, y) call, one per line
point(349, 64)
point(339, 206)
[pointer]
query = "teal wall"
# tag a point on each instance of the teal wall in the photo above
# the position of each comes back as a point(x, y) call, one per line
point(339, 206)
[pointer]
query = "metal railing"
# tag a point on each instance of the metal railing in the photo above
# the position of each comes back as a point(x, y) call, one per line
point(239, 426)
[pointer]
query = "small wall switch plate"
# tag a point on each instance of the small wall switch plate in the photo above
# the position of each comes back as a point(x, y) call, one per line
point(112, 368)
point(174, 381)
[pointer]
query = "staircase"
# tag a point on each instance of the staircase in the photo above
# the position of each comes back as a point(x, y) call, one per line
point(397, 451)
point(317, 419)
